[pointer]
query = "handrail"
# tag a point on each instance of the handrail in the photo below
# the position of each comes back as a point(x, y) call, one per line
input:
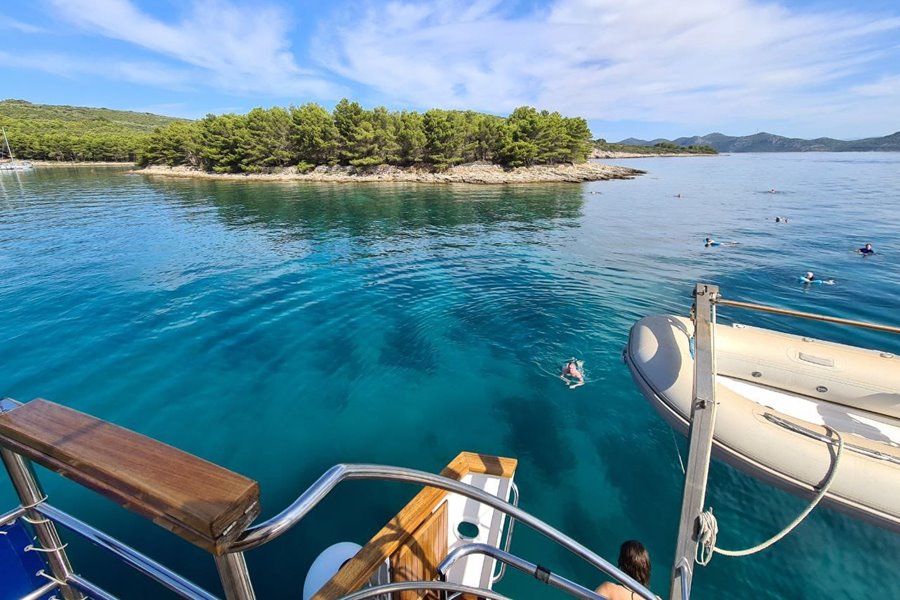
point(537, 571)
point(509, 533)
point(140, 562)
point(41, 591)
point(406, 586)
point(297, 510)
point(11, 516)
point(94, 592)
point(805, 315)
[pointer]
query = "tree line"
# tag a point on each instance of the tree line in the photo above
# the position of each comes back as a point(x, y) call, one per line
point(308, 136)
point(658, 148)
point(68, 141)
point(72, 133)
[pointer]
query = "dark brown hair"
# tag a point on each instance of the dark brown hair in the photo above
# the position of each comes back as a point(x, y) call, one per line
point(635, 561)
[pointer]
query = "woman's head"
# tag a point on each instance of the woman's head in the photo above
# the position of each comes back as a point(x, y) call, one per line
point(635, 561)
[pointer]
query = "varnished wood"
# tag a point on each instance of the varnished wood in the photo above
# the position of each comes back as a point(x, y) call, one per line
point(195, 499)
point(418, 559)
point(400, 529)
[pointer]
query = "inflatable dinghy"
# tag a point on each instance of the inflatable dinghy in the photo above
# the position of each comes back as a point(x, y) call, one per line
point(778, 395)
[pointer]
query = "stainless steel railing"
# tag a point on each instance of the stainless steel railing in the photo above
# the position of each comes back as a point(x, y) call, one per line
point(128, 555)
point(804, 315)
point(282, 522)
point(509, 534)
point(277, 525)
point(505, 558)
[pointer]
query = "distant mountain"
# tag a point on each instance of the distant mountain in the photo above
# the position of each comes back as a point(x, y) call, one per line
point(767, 142)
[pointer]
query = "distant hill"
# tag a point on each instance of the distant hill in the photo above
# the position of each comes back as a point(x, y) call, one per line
point(603, 149)
point(104, 117)
point(767, 142)
point(49, 132)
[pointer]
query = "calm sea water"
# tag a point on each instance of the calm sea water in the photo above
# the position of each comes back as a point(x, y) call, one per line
point(278, 329)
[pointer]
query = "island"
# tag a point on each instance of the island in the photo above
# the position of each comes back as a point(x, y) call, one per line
point(473, 173)
point(309, 143)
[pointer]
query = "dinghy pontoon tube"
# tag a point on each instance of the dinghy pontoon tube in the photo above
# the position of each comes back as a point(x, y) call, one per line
point(777, 396)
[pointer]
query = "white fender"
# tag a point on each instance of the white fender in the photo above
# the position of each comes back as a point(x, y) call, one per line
point(326, 565)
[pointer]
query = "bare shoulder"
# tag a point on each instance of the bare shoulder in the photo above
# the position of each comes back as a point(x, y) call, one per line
point(612, 591)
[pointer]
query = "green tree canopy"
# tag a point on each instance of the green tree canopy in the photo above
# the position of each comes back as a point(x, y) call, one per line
point(309, 135)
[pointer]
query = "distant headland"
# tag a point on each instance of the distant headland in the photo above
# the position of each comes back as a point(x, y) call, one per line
point(767, 142)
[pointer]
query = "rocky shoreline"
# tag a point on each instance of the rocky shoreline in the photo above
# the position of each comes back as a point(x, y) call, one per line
point(474, 173)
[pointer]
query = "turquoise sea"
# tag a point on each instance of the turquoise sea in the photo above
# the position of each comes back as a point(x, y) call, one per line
point(280, 328)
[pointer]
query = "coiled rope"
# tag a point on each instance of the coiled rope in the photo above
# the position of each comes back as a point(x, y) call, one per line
point(709, 528)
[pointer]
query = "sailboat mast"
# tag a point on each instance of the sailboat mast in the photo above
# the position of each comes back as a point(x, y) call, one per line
point(6, 141)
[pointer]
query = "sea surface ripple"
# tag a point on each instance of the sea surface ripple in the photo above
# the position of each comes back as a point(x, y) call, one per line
point(278, 329)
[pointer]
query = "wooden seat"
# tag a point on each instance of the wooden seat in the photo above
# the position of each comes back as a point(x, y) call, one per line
point(195, 499)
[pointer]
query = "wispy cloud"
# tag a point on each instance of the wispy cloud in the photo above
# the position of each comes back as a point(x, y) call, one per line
point(10, 23)
point(142, 72)
point(239, 49)
point(700, 62)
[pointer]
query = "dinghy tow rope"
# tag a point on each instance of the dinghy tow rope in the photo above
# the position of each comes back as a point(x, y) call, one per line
point(708, 528)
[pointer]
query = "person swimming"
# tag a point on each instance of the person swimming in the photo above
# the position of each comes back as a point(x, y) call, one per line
point(811, 278)
point(573, 369)
point(866, 250)
point(710, 242)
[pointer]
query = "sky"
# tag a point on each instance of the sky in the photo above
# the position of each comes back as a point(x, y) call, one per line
point(632, 68)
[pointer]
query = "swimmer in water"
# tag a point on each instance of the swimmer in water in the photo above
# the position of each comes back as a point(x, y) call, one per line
point(866, 250)
point(570, 369)
point(809, 277)
point(710, 242)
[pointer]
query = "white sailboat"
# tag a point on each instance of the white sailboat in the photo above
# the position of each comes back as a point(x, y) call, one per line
point(8, 161)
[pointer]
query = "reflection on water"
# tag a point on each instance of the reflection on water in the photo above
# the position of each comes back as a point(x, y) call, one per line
point(278, 329)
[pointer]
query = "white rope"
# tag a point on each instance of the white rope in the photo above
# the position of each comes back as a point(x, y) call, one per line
point(50, 578)
point(35, 503)
point(33, 548)
point(709, 528)
point(34, 521)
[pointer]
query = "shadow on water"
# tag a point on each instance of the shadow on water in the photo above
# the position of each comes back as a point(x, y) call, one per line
point(374, 211)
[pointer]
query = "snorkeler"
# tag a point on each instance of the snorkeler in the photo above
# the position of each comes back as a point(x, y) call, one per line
point(572, 369)
point(811, 278)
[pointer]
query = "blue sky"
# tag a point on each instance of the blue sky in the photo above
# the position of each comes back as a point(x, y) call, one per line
point(643, 68)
